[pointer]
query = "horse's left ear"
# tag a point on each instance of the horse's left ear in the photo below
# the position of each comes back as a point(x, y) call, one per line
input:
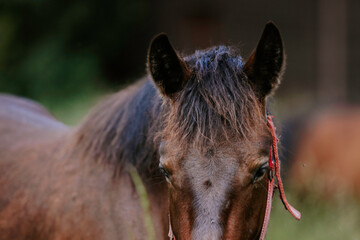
point(267, 62)
point(167, 69)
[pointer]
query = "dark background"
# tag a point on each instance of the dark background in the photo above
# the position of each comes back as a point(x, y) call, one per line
point(51, 50)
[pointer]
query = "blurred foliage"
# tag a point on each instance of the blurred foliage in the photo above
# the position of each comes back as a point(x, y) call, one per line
point(54, 50)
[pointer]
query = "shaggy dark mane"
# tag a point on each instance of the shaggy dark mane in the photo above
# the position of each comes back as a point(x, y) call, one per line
point(216, 102)
point(121, 129)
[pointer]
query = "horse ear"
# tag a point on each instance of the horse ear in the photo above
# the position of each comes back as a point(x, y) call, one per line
point(168, 71)
point(265, 66)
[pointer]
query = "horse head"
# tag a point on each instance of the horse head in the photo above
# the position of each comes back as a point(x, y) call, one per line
point(215, 142)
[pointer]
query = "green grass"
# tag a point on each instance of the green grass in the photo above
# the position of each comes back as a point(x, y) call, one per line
point(145, 204)
point(321, 220)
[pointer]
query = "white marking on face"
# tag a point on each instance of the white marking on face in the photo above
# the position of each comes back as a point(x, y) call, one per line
point(210, 179)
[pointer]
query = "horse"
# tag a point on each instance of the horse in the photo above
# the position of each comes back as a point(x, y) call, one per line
point(326, 162)
point(194, 129)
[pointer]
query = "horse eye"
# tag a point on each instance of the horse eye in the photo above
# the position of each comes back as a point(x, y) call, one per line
point(260, 173)
point(164, 171)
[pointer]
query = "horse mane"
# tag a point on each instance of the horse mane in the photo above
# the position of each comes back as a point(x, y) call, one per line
point(217, 101)
point(120, 129)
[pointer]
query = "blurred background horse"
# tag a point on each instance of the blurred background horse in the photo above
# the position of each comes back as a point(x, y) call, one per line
point(326, 161)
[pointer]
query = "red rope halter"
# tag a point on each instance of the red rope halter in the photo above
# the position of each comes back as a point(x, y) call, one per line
point(271, 181)
point(273, 160)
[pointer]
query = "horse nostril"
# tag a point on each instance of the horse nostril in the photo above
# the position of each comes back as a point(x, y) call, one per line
point(207, 184)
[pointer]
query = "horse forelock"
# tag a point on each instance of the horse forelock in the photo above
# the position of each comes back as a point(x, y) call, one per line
point(217, 102)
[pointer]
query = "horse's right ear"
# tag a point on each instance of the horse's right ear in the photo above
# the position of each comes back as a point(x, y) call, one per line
point(267, 62)
point(168, 71)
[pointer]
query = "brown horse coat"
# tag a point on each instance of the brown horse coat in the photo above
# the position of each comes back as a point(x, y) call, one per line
point(47, 193)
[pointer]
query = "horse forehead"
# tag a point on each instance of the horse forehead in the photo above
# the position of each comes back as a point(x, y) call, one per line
point(218, 166)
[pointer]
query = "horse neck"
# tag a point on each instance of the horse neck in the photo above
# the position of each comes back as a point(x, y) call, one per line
point(122, 129)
